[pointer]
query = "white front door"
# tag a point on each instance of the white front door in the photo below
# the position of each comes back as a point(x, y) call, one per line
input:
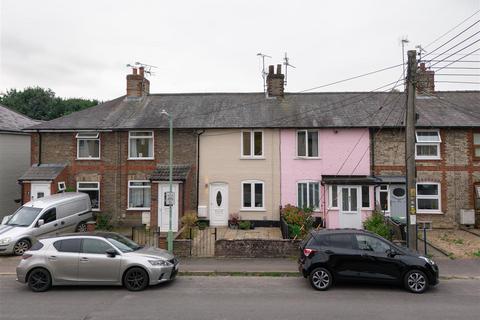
point(350, 215)
point(164, 211)
point(39, 190)
point(218, 204)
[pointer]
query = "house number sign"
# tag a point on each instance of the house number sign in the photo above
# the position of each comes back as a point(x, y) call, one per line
point(169, 198)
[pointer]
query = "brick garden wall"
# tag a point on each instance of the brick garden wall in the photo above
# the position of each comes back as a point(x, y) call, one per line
point(457, 171)
point(256, 248)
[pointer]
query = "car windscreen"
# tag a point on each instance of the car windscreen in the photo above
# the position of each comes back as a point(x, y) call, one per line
point(122, 243)
point(24, 216)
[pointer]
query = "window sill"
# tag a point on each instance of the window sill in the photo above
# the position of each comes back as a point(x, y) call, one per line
point(138, 209)
point(140, 158)
point(428, 158)
point(252, 158)
point(96, 210)
point(87, 159)
point(253, 209)
point(307, 158)
point(429, 212)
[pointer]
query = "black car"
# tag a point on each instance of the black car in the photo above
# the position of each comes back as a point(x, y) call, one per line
point(349, 254)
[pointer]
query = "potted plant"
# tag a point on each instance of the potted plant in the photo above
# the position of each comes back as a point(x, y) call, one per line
point(233, 220)
point(202, 225)
point(244, 225)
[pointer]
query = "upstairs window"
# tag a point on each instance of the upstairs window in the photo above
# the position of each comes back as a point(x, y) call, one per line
point(252, 144)
point(252, 195)
point(476, 145)
point(88, 145)
point(307, 143)
point(427, 145)
point(308, 195)
point(140, 145)
point(428, 197)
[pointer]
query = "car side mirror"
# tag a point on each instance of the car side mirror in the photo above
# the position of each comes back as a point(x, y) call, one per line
point(40, 222)
point(111, 253)
point(391, 253)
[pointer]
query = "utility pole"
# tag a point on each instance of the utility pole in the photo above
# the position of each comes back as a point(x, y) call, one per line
point(170, 196)
point(410, 151)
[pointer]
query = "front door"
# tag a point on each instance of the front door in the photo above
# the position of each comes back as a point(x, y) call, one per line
point(218, 204)
point(39, 190)
point(398, 201)
point(350, 216)
point(164, 211)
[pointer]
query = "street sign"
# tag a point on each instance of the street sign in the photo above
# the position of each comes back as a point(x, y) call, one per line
point(169, 200)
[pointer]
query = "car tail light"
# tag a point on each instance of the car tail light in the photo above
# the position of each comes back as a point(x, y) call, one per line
point(308, 252)
point(26, 256)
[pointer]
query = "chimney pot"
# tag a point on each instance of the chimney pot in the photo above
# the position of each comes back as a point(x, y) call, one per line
point(134, 70)
point(142, 71)
point(279, 69)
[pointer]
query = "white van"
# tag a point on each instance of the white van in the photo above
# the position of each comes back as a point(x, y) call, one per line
point(47, 216)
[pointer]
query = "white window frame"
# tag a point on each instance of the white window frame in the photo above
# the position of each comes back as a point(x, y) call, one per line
point(308, 182)
point(252, 200)
point(88, 136)
point(379, 190)
point(340, 198)
point(428, 143)
point(437, 197)
point(79, 189)
point(330, 197)
point(252, 145)
point(306, 156)
point(130, 138)
point(138, 187)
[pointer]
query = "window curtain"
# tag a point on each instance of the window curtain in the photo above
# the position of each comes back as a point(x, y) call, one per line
point(133, 148)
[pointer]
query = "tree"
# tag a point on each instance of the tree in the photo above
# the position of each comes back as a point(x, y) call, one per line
point(42, 104)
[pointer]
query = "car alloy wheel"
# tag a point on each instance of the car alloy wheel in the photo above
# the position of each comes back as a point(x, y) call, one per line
point(82, 227)
point(320, 279)
point(416, 281)
point(136, 279)
point(20, 247)
point(39, 280)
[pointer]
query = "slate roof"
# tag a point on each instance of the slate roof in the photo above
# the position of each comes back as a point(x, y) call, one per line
point(253, 110)
point(12, 121)
point(179, 173)
point(42, 172)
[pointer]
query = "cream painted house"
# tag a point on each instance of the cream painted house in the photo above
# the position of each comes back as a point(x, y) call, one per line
point(239, 172)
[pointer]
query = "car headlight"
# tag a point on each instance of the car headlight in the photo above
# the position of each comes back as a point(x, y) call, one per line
point(428, 260)
point(5, 240)
point(161, 263)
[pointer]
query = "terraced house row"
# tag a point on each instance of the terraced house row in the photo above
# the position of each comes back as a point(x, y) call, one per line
point(341, 153)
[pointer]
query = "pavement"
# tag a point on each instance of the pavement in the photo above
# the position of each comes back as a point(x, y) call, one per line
point(244, 298)
point(449, 269)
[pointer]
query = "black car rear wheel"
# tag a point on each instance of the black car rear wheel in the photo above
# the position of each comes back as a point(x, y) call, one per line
point(416, 281)
point(320, 279)
point(135, 279)
point(39, 280)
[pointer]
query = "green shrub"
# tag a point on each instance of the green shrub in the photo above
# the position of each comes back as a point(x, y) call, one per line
point(296, 218)
point(294, 231)
point(104, 222)
point(376, 224)
point(202, 225)
point(189, 220)
point(244, 225)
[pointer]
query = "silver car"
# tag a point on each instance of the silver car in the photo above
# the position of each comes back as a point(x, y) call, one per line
point(98, 258)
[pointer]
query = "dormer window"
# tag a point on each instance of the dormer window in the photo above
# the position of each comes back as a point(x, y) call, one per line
point(88, 146)
point(427, 145)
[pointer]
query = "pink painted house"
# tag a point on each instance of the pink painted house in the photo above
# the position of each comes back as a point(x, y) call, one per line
point(328, 169)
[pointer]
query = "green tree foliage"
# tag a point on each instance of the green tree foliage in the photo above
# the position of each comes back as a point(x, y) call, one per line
point(376, 224)
point(42, 104)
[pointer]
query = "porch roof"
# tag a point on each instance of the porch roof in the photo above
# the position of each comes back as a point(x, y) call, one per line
point(179, 173)
point(42, 172)
point(349, 180)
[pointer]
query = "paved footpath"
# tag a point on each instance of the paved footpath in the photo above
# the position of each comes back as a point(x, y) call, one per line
point(458, 268)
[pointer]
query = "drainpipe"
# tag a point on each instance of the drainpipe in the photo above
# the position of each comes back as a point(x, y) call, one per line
point(39, 147)
point(199, 133)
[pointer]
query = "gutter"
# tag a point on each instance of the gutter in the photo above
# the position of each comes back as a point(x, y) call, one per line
point(39, 147)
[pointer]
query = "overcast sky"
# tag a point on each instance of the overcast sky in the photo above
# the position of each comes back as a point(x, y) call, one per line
point(80, 48)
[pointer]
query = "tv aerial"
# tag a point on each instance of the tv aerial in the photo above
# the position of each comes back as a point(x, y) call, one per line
point(287, 64)
point(264, 73)
point(147, 67)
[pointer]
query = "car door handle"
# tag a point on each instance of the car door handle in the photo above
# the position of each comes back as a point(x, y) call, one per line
point(83, 259)
point(55, 225)
point(63, 222)
point(52, 258)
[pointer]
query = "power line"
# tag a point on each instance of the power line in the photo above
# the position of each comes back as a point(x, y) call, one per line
point(458, 74)
point(471, 44)
point(456, 45)
point(465, 30)
point(458, 60)
point(464, 82)
point(452, 29)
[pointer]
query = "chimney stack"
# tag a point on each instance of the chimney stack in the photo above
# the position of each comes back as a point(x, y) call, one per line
point(425, 80)
point(137, 85)
point(275, 81)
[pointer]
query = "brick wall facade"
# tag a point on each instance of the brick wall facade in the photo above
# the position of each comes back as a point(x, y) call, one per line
point(113, 170)
point(457, 171)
